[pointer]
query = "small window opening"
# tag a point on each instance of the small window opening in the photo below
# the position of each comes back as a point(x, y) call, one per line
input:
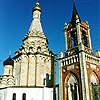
point(73, 39)
point(14, 96)
point(24, 96)
point(84, 39)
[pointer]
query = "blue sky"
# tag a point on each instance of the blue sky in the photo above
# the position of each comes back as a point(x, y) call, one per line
point(16, 16)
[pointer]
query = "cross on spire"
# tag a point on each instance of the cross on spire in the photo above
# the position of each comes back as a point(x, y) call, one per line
point(10, 53)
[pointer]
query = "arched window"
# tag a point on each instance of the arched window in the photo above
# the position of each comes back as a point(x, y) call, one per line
point(84, 39)
point(94, 88)
point(73, 42)
point(93, 79)
point(24, 96)
point(38, 48)
point(72, 88)
point(73, 39)
point(14, 96)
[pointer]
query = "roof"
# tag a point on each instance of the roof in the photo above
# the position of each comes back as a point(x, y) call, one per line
point(8, 61)
point(75, 16)
point(37, 7)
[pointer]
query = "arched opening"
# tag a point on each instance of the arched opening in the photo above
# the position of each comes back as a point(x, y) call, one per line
point(24, 96)
point(73, 39)
point(72, 88)
point(38, 48)
point(84, 39)
point(93, 79)
point(94, 88)
point(14, 96)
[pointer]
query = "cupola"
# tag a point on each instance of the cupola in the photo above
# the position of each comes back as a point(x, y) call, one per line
point(8, 61)
point(37, 7)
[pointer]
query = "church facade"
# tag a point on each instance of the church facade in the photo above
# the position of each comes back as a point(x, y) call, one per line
point(79, 68)
point(31, 73)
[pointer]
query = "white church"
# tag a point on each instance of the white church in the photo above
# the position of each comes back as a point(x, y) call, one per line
point(31, 73)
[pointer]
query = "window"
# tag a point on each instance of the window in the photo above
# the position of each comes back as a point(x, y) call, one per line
point(94, 87)
point(24, 96)
point(72, 88)
point(14, 96)
point(73, 39)
point(84, 39)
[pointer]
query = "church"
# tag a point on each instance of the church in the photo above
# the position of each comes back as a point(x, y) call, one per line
point(79, 68)
point(31, 73)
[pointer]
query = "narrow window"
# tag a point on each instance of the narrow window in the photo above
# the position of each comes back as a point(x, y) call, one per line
point(73, 39)
point(73, 42)
point(84, 39)
point(14, 96)
point(24, 96)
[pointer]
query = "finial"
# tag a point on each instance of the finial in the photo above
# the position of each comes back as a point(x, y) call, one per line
point(37, 7)
point(37, 1)
point(37, 4)
point(73, 3)
point(65, 24)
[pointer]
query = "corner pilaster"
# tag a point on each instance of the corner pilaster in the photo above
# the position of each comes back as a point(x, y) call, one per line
point(83, 72)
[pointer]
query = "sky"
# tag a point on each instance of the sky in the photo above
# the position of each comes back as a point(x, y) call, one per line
point(16, 17)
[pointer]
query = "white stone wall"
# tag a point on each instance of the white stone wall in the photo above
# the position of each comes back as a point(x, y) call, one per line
point(8, 69)
point(17, 71)
point(3, 94)
point(31, 70)
point(31, 93)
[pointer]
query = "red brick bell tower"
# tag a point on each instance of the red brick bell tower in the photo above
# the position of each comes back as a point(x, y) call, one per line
point(79, 68)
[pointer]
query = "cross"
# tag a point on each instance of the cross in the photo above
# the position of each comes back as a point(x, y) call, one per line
point(10, 53)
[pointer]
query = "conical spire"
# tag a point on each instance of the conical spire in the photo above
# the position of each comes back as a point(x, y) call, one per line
point(75, 16)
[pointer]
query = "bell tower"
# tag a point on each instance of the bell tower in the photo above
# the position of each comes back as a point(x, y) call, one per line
point(77, 32)
point(78, 66)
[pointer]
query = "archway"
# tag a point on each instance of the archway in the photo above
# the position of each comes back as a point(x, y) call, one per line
point(72, 88)
point(94, 87)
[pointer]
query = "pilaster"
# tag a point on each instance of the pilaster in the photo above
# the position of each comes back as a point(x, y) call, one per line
point(60, 55)
point(78, 33)
point(83, 72)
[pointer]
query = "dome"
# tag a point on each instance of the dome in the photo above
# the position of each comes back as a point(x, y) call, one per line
point(8, 61)
point(37, 7)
